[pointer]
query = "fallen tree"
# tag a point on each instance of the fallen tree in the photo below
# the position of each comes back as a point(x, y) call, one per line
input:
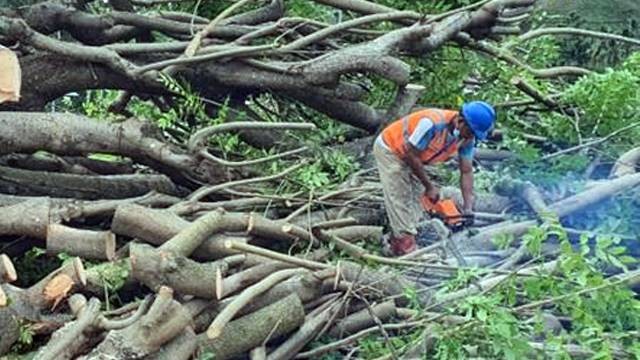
point(260, 250)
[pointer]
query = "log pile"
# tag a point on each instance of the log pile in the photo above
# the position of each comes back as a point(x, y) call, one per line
point(215, 280)
point(173, 252)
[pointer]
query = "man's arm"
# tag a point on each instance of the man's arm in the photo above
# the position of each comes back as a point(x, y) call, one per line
point(466, 184)
point(465, 156)
point(412, 158)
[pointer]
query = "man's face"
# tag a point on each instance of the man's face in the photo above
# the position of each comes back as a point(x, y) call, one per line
point(465, 132)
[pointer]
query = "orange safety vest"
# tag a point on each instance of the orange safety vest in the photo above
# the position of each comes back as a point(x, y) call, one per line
point(441, 147)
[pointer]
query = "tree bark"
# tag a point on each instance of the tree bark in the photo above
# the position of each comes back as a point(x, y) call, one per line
point(363, 319)
point(165, 320)
point(157, 267)
point(29, 218)
point(90, 187)
point(249, 331)
point(67, 134)
point(87, 244)
point(181, 347)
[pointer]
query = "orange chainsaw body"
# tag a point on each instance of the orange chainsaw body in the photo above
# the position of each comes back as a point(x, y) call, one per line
point(444, 209)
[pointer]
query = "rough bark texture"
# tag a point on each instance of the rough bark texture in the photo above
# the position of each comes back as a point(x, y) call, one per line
point(249, 331)
point(157, 267)
point(40, 183)
point(96, 245)
point(165, 320)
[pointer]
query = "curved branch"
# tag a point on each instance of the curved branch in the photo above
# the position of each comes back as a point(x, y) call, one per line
point(343, 26)
point(363, 7)
point(501, 54)
point(206, 155)
point(206, 190)
point(242, 51)
point(198, 139)
point(216, 327)
point(20, 31)
point(575, 31)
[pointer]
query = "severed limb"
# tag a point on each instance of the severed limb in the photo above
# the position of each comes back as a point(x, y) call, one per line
point(312, 326)
point(157, 267)
point(252, 330)
point(70, 340)
point(87, 244)
point(165, 320)
point(217, 326)
point(363, 319)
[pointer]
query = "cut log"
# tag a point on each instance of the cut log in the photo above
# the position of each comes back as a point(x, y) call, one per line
point(528, 192)
point(165, 320)
point(242, 279)
point(29, 218)
point(250, 331)
point(3, 299)
point(156, 267)
point(311, 327)
point(56, 286)
point(192, 236)
point(308, 288)
point(7, 271)
point(27, 132)
point(366, 233)
point(30, 304)
point(67, 342)
point(87, 244)
point(10, 77)
point(245, 297)
point(157, 226)
point(390, 284)
point(363, 319)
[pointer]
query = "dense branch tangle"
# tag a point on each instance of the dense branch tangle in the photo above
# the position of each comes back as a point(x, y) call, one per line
point(238, 53)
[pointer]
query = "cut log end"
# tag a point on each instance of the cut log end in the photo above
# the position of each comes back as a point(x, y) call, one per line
point(80, 273)
point(110, 246)
point(165, 292)
point(77, 302)
point(7, 271)
point(219, 280)
point(57, 289)
point(3, 299)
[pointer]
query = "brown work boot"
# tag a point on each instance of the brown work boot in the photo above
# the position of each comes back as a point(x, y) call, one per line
point(402, 244)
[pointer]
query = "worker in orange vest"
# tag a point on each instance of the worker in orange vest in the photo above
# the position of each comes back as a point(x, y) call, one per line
point(426, 137)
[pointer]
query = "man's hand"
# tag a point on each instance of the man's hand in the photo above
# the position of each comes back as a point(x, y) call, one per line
point(468, 216)
point(433, 192)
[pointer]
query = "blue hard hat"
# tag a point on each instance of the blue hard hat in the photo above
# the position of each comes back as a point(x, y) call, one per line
point(479, 116)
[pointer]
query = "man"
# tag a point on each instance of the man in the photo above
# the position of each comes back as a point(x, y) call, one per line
point(426, 137)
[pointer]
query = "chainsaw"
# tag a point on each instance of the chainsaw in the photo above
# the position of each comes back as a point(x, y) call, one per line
point(447, 211)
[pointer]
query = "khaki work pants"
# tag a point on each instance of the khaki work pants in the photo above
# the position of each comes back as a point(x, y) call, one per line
point(402, 191)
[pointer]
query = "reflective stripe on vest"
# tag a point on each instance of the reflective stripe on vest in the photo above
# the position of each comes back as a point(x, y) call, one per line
point(440, 148)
